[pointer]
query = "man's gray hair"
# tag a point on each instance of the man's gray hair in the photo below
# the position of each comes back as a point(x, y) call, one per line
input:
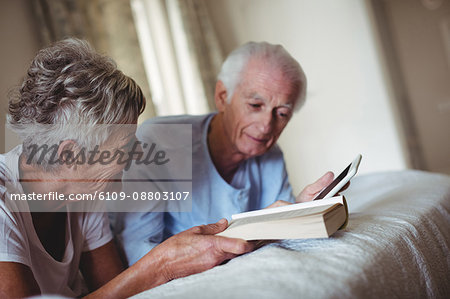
point(68, 86)
point(275, 55)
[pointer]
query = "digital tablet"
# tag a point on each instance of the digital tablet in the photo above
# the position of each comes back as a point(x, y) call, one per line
point(340, 180)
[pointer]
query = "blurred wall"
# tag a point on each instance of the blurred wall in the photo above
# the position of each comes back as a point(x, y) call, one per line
point(348, 108)
point(416, 38)
point(19, 44)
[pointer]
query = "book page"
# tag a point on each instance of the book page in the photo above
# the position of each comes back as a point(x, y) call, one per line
point(297, 206)
point(306, 212)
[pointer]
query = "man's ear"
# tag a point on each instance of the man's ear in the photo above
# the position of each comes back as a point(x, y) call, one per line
point(220, 96)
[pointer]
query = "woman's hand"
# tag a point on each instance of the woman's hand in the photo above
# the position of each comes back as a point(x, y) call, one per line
point(198, 249)
point(17, 281)
point(192, 251)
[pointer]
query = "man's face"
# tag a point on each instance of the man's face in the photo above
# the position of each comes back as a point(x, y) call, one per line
point(261, 106)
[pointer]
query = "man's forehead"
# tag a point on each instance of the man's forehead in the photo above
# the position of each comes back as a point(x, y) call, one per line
point(258, 64)
point(258, 69)
point(260, 81)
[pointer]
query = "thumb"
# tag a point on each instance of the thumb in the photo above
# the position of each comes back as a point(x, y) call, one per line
point(311, 190)
point(214, 228)
point(321, 183)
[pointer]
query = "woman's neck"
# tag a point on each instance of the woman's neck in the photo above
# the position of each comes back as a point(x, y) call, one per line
point(50, 225)
point(34, 179)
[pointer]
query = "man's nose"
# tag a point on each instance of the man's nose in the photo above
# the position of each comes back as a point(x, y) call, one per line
point(266, 123)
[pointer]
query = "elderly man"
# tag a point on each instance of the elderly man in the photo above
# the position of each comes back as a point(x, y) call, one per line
point(238, 166)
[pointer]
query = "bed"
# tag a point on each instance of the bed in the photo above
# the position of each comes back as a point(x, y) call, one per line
point(395, 245)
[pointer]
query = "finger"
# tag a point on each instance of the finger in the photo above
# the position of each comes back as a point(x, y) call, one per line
point(321, 183)
point(310, 191)
point(260, 243)
point(278, 203)
point(233, 245)
point(345, 187)
point(213, 228)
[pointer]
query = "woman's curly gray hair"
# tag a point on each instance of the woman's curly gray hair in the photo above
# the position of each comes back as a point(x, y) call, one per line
point(68, 86)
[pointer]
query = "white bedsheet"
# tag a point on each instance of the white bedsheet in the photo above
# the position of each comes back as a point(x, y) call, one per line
point(396, 245)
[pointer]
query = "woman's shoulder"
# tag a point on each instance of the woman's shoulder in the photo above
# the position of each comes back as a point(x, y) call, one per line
point(13, 230)
point(4, 178)
point(7, 161)
point(8, 177)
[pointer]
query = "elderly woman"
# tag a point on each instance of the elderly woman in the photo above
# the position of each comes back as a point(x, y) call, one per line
point(68, 85)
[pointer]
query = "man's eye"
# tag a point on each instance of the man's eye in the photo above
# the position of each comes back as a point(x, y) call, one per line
point(255, 105)
point(283, 114)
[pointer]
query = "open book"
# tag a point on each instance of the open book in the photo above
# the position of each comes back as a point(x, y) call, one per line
point(313, 219)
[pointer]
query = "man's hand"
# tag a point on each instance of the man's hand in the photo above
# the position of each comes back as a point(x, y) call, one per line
point(309, 192)
point(312, 190)
point(196, 250)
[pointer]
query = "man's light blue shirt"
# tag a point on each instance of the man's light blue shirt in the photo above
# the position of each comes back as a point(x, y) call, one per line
point(258, 182)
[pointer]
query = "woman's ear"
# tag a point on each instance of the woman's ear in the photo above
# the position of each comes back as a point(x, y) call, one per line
point(220, 96)
point(66, 153)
